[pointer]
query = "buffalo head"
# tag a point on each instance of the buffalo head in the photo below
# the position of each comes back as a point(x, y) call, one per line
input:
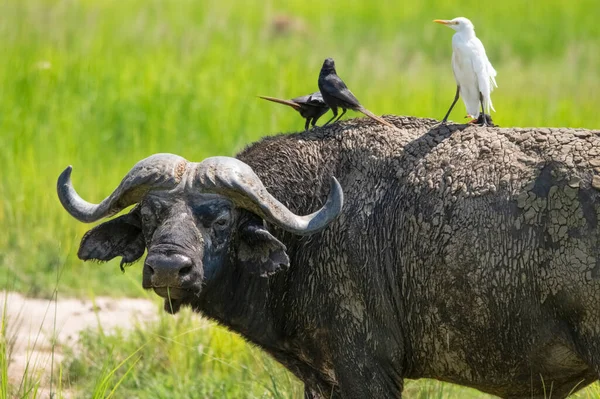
point(194, 219)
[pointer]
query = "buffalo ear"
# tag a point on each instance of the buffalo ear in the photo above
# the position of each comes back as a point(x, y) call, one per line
point(259, 252)
point(121, 236)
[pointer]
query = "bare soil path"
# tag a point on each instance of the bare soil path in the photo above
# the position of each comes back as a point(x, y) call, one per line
point(34, 324)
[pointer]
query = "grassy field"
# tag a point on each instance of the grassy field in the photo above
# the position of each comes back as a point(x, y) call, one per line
point(100, 84)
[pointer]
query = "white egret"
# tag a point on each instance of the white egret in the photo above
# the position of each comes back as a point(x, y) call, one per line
point(475, 76)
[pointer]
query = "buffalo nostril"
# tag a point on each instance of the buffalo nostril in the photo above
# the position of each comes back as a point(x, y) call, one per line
point(169, 269)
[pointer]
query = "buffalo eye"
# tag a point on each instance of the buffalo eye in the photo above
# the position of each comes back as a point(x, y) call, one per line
point(146, 216)
point(221, 222)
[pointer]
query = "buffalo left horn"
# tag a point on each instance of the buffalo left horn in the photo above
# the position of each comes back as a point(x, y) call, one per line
point(159, 171)
point(237, 181)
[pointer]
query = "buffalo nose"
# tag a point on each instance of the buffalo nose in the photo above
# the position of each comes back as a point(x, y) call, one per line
point(168, 270)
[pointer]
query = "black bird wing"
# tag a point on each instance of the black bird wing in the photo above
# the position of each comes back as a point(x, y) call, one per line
point(313, 100)
point(301, 99)
point(309, 106)
point(318, 105)
point(336, 87)
point(316, 96)
point(312, 105)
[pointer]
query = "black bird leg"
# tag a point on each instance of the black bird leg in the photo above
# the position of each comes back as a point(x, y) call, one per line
point(307, 123)
point(335, 113)
point(484, 123)
point(342, 114)
point(453, 103)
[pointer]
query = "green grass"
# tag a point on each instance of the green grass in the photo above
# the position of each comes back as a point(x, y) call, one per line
point(185, 357)
point(163, 359)
point(100, 84)
point(177, 357)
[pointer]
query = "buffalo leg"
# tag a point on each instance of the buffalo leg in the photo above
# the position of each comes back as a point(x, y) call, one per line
point(367, 372)
point(358, 381)
point(310, 393)
point(588, 349)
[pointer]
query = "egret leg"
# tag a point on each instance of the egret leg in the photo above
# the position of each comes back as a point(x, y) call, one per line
point(453, 103)
point(342, 114)
point(307, 123)
point(334, 110)
point(484, 123)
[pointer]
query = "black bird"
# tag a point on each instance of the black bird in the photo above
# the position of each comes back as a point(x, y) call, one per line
point(336, 94)
point(311, 107)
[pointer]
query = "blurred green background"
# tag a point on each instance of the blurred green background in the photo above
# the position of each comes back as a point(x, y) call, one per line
point(100, 84)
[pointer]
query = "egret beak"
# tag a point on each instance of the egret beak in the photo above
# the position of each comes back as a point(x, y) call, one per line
point(442, 21)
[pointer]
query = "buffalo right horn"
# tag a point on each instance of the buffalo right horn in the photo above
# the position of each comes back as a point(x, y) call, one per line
point(237, 181)
point(159, 171)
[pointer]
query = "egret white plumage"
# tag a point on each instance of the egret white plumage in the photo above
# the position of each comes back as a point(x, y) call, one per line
point(474, 74)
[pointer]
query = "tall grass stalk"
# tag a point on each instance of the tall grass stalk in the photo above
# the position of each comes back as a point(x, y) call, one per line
point(4, 351)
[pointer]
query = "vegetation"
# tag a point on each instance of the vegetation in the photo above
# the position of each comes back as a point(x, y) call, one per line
point(100, 84)
point(177, 357)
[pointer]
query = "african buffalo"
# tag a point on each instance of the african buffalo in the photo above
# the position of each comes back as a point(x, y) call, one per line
point(466, 254)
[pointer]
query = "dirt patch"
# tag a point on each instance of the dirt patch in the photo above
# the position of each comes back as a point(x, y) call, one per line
point(33, 325)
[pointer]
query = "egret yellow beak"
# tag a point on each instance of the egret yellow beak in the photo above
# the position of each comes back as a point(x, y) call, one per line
point(441, 21)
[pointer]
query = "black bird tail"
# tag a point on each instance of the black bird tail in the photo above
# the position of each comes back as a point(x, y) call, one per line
point(375, 117)
point(280, 101)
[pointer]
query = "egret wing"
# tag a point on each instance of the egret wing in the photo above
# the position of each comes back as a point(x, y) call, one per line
point(484, 71)
point(465, 75)
point(492, 73)
point(480, 51)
